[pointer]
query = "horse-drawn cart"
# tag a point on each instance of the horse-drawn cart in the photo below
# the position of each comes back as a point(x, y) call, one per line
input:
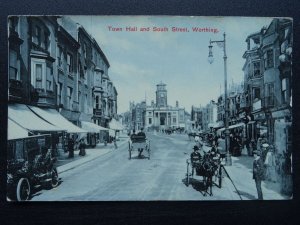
point(139, 143)
point(209, 168)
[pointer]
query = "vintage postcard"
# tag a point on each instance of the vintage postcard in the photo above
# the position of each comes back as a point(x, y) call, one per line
point(148, 108)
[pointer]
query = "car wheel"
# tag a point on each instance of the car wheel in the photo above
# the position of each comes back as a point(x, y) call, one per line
point(23, 189)
point(54, 180)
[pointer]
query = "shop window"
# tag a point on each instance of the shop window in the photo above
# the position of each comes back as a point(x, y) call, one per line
point(13, 65)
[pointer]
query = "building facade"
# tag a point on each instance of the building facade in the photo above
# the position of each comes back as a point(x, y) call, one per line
point(267, 77)
point(55, 64)
point(32, 60)
point(161, 116)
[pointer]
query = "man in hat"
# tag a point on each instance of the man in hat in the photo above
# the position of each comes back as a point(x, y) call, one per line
point(258, 173)
point(195, 157)
point(264, 150)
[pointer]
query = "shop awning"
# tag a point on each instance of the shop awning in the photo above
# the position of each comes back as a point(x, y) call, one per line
point(91, 127)
point(15, 131)
point(55, 118)
point(115, 125)
point(216, 124)
point(232, 126)
point(25, 118)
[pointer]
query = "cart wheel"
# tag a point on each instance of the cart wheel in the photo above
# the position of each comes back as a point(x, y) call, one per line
point(54, 180)
point(23, 189)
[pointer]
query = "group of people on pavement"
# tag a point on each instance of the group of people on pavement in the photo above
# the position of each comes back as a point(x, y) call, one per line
point(71, 146)
point(269, 167)
point(266, 164)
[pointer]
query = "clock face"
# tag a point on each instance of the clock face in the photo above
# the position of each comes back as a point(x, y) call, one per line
point(161, 95)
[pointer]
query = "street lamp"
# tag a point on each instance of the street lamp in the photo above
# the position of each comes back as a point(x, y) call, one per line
point(222, 44)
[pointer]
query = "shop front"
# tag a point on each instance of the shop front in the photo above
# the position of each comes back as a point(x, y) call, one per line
point(94, 132)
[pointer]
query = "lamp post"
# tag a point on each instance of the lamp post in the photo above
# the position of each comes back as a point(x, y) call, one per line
point(222, 44)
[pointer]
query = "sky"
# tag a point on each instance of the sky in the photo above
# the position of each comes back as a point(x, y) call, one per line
point(139, 60)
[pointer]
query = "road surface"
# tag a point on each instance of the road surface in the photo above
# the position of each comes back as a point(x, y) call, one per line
point(113, 177)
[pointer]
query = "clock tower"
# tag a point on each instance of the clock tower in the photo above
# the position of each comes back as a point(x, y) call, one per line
point(161, 95)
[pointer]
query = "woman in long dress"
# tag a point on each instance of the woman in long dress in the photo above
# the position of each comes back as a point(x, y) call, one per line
point(270, 164)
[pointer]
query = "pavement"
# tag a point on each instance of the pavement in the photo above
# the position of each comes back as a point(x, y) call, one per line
point(64, 163)
point(241, 173)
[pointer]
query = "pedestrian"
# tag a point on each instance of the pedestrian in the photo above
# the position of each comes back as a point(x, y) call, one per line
point(258, 173)
point(115, 142)
point(195, 158)
point(264, 150)
point(222, 146)
point(71, 147)
point(82, 147)
point(270, 165)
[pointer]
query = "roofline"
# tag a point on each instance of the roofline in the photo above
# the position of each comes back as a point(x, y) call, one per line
point(101, 52)
point(68, 36)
